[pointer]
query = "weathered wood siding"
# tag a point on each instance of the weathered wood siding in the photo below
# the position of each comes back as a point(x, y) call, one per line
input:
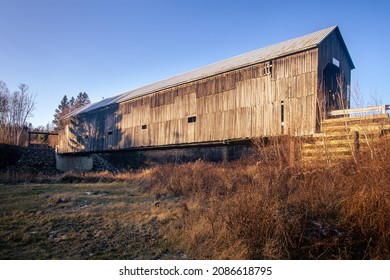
point(296, 83)
point(239, 104)
point(330, 48)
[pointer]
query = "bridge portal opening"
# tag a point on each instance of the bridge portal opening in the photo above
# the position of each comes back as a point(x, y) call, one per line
point(331, 80)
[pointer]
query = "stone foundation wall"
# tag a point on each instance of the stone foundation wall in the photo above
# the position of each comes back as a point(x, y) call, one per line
point(141, 158)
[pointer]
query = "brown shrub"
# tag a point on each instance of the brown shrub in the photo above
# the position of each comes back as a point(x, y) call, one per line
point(268, 210)
point(272, 211)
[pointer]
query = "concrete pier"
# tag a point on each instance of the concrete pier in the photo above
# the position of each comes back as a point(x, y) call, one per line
point(74, 163)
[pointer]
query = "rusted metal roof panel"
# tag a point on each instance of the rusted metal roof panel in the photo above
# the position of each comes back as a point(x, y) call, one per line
point(260, 55)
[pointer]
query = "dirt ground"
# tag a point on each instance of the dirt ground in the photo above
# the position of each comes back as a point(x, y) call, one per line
point(85, 221)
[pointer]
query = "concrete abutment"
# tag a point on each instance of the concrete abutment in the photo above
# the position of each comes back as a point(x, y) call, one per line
point(74, 163)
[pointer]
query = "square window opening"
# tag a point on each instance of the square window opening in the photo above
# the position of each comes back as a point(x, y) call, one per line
point(192, 119)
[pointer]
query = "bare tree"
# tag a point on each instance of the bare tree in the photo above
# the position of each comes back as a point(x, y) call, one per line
point(4, 113)
point(15, 110)
point(25, 105)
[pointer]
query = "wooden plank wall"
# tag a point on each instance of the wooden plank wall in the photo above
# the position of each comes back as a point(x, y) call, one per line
point(240, 104)
point(331, 48)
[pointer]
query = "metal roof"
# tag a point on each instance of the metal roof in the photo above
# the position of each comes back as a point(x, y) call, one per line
point(267, 53)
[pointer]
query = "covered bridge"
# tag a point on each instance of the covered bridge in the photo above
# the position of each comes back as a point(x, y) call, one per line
point(276, 90)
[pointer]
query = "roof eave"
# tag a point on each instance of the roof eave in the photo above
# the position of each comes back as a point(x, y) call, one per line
point(345, 47)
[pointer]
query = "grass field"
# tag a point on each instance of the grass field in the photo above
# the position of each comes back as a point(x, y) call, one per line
point(201, 210)
point(83, 221)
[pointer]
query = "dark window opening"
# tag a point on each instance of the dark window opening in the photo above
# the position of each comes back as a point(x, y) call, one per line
point(268, 68)
point(144, 126)
point(282, 112)
point(192, 119)
point(110, 132)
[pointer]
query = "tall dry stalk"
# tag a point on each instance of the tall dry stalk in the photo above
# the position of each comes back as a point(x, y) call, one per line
point(244, 211)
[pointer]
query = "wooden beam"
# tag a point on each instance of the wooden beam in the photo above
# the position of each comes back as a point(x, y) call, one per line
point(381, 109)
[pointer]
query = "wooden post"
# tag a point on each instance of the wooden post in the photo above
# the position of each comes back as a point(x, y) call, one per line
point(29, 138)
point(356, 144)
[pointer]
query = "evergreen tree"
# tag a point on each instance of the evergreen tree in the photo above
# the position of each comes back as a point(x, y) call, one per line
point(67, 106)
point(62, 110)
point(72, 103)
point(82, 99)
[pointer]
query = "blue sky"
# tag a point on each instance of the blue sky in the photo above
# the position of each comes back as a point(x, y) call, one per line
point(109, 47)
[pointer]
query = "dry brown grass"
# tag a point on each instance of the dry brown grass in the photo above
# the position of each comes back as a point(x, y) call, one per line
point(82, 221)
point(13, 177)
point(238, 210)
point(272, 211)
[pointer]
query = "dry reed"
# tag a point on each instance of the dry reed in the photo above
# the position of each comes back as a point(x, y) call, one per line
point(275, 211)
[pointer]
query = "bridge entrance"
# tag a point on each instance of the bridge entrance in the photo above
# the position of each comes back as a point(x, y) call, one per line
point(331, 80)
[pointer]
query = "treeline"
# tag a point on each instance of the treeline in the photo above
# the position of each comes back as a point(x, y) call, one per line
point(68, 105)
point(15, 109)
